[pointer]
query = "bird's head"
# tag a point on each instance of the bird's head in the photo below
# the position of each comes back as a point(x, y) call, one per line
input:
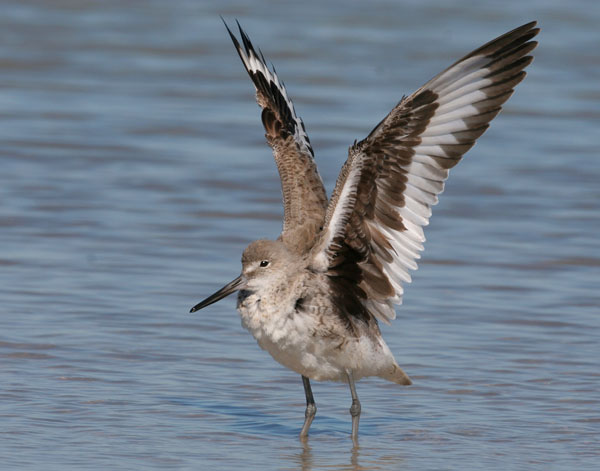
point(264, 262)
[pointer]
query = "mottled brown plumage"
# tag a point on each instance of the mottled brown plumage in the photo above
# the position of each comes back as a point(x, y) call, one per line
point(313, 297)
point(384, 165)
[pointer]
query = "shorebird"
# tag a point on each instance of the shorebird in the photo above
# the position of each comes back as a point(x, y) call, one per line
point(314, 297)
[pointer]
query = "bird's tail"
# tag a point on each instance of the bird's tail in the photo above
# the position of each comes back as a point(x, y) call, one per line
point(396, 375)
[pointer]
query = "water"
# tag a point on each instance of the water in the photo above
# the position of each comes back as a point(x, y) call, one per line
point(134, 172)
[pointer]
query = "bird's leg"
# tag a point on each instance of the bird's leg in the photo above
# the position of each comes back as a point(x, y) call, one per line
point(311, 408)
point(355, 407)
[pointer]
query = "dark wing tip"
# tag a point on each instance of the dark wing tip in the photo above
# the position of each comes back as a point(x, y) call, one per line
point(279, 116)
point(247, 52)
point(507, 41)
point(523, 29)
point(246, 40)
point(236, 43)
point(248, 47)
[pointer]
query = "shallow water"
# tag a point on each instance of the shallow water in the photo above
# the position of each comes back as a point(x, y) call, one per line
point(134, 172)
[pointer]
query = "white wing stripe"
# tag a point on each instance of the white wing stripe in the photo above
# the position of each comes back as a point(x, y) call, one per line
point(473, 76)
point(443, 116)
point(397, 272)
point(418, 207)
point(439, 139)
point(428, 150)
point(461, 100)
point(431, 186)
point(480, 99)
point(419, 195)
point(344, 202)
point(465, 90)
point(413, 231)
point(411, 213)
point(403, 244)
point(402, 262)
point(427, 170)
point(444, 128)
point(463, 67)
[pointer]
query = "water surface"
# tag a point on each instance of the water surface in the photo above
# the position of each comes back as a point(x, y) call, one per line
point(134, 172)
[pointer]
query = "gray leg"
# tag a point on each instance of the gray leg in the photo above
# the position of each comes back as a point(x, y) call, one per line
point(311, 408)
point(355, 407)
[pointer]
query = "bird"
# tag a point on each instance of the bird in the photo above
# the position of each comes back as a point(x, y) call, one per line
point(314, 297)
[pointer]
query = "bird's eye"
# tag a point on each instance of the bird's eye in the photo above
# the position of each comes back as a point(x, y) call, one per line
point(264, 263)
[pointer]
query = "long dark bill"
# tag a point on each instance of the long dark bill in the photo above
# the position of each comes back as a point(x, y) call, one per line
point(226, 290)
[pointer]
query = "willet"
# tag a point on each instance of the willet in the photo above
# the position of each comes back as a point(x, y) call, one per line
point(313, 297)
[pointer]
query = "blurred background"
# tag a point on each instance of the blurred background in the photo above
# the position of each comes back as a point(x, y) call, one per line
point(134, 171)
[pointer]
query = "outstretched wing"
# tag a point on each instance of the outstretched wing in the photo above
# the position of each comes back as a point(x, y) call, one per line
point(304, 196)
point(383, 196)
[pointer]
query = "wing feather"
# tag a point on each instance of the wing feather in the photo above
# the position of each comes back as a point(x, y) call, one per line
point(304, 197)
point(373, 231)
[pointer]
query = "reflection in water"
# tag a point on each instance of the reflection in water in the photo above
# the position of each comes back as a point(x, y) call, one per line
point(354, 457)
point(341, 455)
point(306, 458)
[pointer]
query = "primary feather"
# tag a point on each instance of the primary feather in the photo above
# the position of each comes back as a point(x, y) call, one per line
point(373, 229)
point(304, 197)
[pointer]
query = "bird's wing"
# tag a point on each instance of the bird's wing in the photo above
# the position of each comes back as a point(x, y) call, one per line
point(304, 196)
point(383, 196)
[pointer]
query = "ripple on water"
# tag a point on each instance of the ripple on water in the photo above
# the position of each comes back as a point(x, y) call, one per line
point(134, 172)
